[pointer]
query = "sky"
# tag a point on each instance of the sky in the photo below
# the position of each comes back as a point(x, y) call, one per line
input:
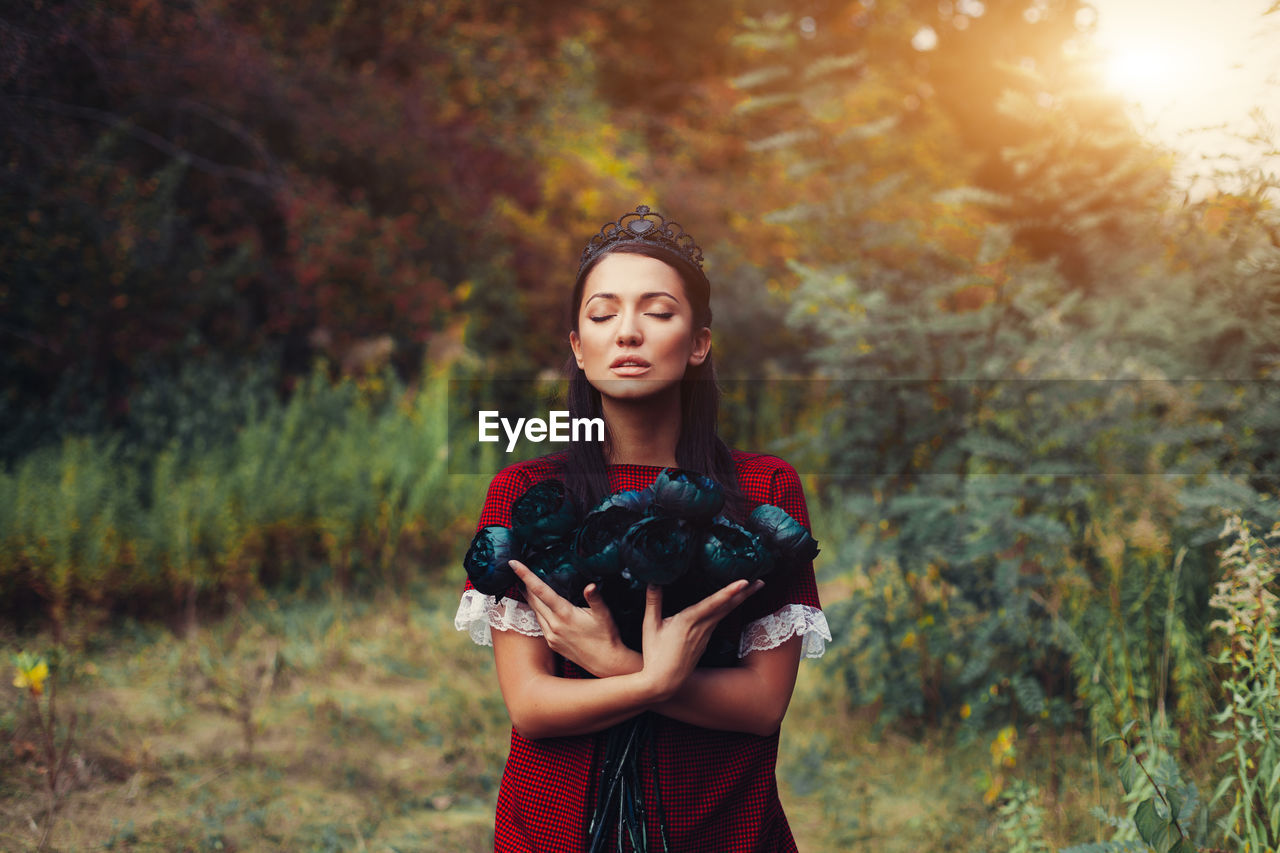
point(1187, 66)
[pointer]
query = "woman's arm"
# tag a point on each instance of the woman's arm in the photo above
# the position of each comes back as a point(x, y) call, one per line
point(752, 697)
point(542, 704)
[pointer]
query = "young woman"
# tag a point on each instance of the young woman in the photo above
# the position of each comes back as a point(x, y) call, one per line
point(641, 359)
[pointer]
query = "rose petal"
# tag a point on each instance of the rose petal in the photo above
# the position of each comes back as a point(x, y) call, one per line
point(488, 560)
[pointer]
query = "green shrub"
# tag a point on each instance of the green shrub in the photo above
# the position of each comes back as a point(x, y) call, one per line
point(1249, 723)
point(351, 476)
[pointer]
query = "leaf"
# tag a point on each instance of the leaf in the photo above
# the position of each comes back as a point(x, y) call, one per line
point(1130, 774)
point(764, 42)
point(1228, 823)
point(825, 65)
point(762, 102)
point(1148, 822)
point(869, 130)
point(1167, 836)
point(760, 76)
point(1176, 802)
point(785, 139)
point(977, 666)
point(1223, 785)
point(968, 195)
point(1029, 693)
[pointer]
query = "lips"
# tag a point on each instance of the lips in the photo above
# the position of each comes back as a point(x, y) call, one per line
point(629, 365)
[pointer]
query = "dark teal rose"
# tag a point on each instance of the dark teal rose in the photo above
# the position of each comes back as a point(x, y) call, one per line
point(688, 495)
point(722, 646)
point(555, 566)
point(544, 514)
point(625, 598)
point(787, 538)
point(730, 552)
point(487, 560)
point(636, 500)
point(597, 547)
point(657, 549)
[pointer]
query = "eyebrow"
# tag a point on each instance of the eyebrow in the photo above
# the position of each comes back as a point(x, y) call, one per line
point(644, 297)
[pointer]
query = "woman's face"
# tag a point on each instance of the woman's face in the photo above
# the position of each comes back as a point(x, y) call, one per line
point(636, 333)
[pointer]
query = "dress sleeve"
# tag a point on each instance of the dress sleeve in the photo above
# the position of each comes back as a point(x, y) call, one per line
point(788, 606)
point(478, 614)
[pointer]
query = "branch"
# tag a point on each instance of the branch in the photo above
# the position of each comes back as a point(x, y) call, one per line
point(32, 338)
point(249, 176)
point(234, 128)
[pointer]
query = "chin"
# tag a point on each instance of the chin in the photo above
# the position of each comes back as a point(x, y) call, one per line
point(633, 389)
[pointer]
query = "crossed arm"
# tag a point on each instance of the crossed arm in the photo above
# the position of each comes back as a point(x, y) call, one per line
point(752, 697)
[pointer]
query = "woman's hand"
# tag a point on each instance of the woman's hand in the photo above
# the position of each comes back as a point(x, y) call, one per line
point(587, 635)
point(747, 698)
point(672, 646)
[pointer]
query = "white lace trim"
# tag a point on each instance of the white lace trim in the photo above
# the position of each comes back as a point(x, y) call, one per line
point(783, 624)
point(479, 614)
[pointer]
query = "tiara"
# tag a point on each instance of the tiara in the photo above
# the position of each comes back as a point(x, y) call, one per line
point(644, 226)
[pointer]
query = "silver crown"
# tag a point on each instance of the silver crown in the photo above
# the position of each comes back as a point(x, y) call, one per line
point(643, 226)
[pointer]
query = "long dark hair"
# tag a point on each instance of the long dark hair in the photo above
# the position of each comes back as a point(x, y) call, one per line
point(699, 447)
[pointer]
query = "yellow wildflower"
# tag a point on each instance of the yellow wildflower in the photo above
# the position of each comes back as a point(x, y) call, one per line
point(1004, 750)
point(965, 711)
point(32, 673)
point(992, 793)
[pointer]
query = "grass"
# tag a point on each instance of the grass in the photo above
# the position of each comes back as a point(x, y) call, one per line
point(846, 786)
point(371, 725)
point(374, 726)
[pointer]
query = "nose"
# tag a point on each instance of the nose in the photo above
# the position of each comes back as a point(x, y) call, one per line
point(629, 330)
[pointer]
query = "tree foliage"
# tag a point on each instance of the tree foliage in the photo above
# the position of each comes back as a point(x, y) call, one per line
point(1053, 372)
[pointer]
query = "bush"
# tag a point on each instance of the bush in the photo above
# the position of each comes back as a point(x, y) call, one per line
point(347, 477)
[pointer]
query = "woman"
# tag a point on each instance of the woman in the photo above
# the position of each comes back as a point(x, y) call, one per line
point(641, 359)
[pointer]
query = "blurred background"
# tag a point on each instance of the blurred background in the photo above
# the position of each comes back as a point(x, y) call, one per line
point(1001, 278)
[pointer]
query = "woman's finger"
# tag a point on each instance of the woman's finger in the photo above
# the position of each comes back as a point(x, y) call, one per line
point(537, 588)
point(595, 601)
point(652, 608)
point(532, 598)
point(717, 605)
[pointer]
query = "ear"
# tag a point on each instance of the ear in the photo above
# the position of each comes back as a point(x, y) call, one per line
point(701, 347)
point(575, 344)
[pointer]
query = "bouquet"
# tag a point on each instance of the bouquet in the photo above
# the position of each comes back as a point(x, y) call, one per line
point(672, 534)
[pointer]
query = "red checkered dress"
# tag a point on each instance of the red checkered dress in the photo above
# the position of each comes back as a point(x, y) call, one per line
point(718, 788)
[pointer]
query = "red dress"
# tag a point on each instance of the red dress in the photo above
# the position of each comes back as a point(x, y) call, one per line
point(717, 788)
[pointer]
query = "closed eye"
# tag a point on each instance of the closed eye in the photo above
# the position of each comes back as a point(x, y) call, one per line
point(600, 318)
point(662, 315)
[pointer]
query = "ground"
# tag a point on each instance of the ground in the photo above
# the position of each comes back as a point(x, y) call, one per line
point(371, 725)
